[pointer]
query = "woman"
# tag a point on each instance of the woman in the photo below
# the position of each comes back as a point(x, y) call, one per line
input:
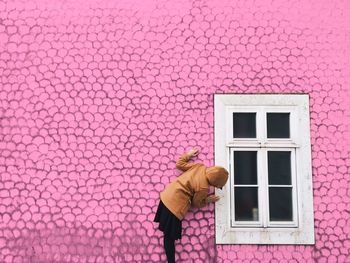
point(190, 188)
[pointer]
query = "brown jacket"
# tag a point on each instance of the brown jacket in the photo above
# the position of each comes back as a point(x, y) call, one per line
point(192, 186)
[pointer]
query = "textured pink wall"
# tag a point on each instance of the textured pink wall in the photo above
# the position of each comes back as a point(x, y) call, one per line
point(98, 99)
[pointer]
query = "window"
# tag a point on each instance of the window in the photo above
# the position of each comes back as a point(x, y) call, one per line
point(264, 142)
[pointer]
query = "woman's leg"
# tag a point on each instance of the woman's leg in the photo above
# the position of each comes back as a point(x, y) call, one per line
point(169, 245)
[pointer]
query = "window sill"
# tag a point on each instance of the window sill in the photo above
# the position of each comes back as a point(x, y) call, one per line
point(264, 236)
point(301, 234)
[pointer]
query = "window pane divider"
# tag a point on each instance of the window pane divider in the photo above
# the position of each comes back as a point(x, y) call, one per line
point(246, 185)
point(264, 189)
point(261, 145)
point(280, 185)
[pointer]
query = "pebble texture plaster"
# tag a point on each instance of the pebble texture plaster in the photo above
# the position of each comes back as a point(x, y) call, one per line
point(99, 98)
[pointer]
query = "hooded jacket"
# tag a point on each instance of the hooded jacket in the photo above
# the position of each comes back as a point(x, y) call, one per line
point(192, 186)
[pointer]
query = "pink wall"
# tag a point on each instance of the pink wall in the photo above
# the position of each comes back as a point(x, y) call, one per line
point(98, 99)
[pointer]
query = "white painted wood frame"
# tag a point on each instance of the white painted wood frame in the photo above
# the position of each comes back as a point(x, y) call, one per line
point(301, 229)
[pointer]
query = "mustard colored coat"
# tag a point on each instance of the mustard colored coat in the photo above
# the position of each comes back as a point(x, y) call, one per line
point(192, 186)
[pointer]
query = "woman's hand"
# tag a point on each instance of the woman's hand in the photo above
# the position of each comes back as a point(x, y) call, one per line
point(212, 198)
point(193, 152)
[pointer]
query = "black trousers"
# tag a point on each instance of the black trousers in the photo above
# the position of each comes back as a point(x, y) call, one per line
point(169, 246)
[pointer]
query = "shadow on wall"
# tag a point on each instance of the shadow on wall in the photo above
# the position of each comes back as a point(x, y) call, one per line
point(210, 250)
point(128, 242)
point(198, 242)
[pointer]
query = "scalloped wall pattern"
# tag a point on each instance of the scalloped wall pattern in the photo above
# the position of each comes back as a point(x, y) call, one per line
point(99, 98)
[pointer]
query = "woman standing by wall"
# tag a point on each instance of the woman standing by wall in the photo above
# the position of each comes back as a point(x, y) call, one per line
point(190, 188)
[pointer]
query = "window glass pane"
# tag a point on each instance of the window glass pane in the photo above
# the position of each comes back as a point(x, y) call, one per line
point(277, 125)
point(245, 167)
point(244, 125)
point(246, 204)
point(279, 168)
point(280, 200)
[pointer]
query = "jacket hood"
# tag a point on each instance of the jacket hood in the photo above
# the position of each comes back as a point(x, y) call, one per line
point(217, 176)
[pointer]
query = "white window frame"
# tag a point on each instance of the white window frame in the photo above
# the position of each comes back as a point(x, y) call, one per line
point(263, 190)
point(301, 229)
